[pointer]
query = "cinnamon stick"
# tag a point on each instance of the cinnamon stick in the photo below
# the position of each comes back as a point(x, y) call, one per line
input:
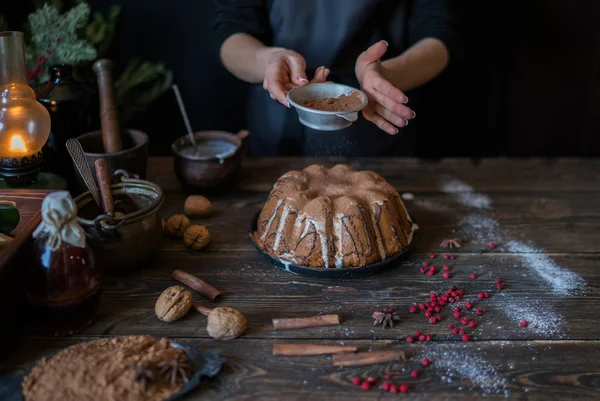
point(311, 349)
point(304, 322)
point(368, 358)
point(203, 288)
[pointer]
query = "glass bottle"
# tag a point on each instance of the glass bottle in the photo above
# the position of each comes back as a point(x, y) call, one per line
point(63, 280)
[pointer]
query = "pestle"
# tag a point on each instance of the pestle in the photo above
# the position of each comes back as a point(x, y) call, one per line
point(111, 133)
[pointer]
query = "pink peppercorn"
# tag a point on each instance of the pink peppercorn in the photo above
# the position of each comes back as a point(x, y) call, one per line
point(468, 305)
point(427, 337)
point(432, 320)
point(427, 314)
point(366, 386)
point(454, 331)
point(422, 338)
point(371, 380)
point(431, 272)
point(386, 385)
point(436, 309)
point(446, 256)
point(472, 324)
point(425, 264)
point(356, 381)
point(432, 255)
point(478, 312)
point(465, 337)
point(421, 306)
point(499, 286)
point(426, 362)
point(412, 309)
point(438, 318)
point(394, 388)
point(461, 332)
point(451, 300)
point(422, 270)
point(452, 257)
point(417, 333)
point(486, 294)
point(457, 315)
point(404, 388)
point(492, 245)
point(388, 376)
point(391, 310)
point(523, 323)
point(451, 326)
point(414, 373)
point(473, 276)
point(463, 320)
point(409, 339)
point(446, 275)
point(446, 268)
point(480, 296)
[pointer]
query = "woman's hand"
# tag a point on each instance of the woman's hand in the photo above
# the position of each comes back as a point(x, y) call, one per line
point(387, 104)
point(285, 70)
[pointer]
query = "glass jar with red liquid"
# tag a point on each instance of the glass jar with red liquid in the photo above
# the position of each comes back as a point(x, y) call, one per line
point(62, 280)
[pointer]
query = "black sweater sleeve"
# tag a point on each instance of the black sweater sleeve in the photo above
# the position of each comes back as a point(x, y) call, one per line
point(433, 19)
point(242, 16)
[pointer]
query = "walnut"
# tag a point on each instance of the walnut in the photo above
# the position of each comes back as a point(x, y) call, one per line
point(197, 206)
point(176, 225)
point(196, 237)
point(226, 323)
point(173, 304)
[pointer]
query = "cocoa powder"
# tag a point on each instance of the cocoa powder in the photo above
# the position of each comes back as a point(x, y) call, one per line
point(100, 370)
point(340, 103)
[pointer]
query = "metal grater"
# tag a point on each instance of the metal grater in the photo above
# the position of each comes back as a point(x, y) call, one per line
point(78, 156)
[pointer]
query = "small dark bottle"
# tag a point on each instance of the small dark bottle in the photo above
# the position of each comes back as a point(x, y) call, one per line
point(62, 281)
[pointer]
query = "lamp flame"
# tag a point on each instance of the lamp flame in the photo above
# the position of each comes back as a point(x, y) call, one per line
point(16, 143)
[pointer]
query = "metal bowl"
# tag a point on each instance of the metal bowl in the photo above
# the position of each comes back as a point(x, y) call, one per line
point(319, 119)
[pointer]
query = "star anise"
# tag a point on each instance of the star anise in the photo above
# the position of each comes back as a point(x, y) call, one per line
point(179, 368)
point(386, 318)
point(451, 243)
point(143, 373)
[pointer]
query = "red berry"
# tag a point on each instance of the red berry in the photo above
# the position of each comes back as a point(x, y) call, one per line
point(414, 373)
point(432, 255)
point(451, 300)
point(465, 337)
point(457, 315)
point(463, 320)
point(412, 309)
point(452, 257)
point(478, 312)
point(492, 245)
point(459, 292)
point(421, 306)
point(425, 264)
point(431, 272)
point(388, 375)
point(472, 324)
point(438, 318)
point(446, 275)
point(366, 386)
point(404, 388)
point(454, 331)
point(386, 385)
point(523, 323)
point(498, 280)
point(409, 339)
point(436, 309)
point(432, 320)
point(422, 338)
point(446, 268)
point(371, 380)
point(451, 326)
point(422, 270)
point(391, 310)
point(426, 362)
point(480, 296)
point(499, 286)
point(473, 276)
point(461, 332)
point(427, 337)
point(427, 314)
point(356, 381)
point(394, 388)
point(486, 294)
point(417, 333)
point(446, 256)
point(468, 305)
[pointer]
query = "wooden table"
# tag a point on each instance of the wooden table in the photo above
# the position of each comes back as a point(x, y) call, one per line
point(544, 216)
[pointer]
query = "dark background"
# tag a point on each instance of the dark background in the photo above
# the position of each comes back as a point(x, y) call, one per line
point(526, 82)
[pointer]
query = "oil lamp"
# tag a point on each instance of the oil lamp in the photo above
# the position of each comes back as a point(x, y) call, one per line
point(24, 122)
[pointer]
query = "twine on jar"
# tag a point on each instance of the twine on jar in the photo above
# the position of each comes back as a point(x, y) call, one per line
point(59, 222)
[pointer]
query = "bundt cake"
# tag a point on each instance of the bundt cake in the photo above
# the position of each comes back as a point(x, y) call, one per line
point(333, 218)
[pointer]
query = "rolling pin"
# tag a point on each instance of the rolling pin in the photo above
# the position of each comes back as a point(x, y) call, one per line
point(109, 117)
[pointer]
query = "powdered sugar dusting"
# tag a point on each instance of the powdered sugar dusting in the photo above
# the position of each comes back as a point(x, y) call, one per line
point(540, 316)
point(467, 196)
point(562, 281)
point(457, 365)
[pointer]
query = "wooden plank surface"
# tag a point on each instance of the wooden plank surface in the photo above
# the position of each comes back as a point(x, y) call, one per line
point(543, 217)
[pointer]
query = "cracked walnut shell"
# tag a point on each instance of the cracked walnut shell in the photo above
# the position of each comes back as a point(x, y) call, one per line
point(226, 323)
point(173, 304)
point(196, 238)
point(176, 225)
point(197, 206)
